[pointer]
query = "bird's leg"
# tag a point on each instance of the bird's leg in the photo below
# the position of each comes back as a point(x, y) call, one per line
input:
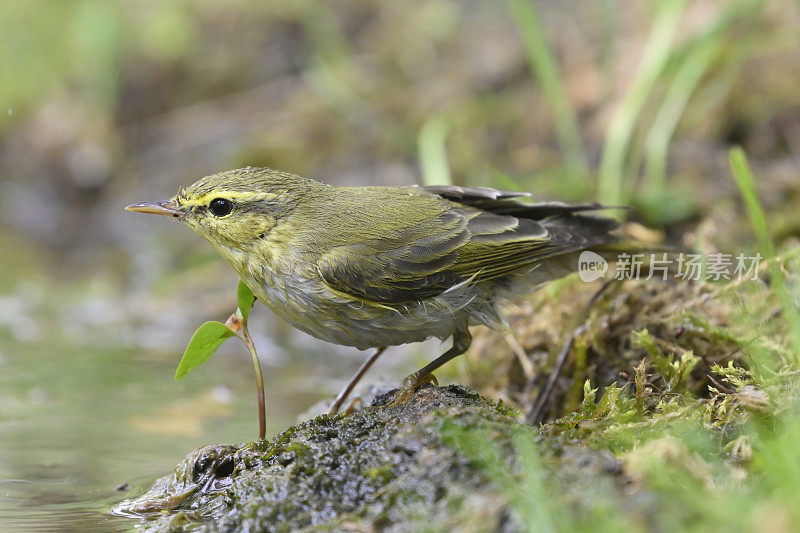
point(461, 341)
point(345, 392)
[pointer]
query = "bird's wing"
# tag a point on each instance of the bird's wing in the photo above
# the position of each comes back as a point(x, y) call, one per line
point(407, 263)
point(426, 258)
point(504, 202)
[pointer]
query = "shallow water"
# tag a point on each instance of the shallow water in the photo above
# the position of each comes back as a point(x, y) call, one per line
point(83, 428)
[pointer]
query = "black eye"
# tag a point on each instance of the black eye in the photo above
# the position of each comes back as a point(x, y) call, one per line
point(220, 207)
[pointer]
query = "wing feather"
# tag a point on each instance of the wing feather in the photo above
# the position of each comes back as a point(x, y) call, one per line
point(473, 236)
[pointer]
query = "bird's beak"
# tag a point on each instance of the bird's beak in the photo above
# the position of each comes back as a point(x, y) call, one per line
point(166, 207)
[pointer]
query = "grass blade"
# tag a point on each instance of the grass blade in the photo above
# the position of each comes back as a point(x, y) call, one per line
point(671, 110)
point(546, 70)
point(701, 52)
point(654, 59)
point(433, 152)
point(743, 176)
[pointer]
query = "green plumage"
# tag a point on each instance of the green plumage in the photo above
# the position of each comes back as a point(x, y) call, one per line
point(379, 266)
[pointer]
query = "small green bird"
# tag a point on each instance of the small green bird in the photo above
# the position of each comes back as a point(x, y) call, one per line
point(372, 267)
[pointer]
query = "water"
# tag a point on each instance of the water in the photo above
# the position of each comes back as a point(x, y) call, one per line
point(79, 425)
point(87, 397)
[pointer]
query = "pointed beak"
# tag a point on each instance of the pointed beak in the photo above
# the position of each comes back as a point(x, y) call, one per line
point(167, 207)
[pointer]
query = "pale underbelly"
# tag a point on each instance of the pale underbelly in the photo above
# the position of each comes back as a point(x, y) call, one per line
point(337, 319)
point(351, 327)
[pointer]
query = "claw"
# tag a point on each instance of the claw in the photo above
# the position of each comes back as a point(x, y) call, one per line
point(410, 386)
point(352, 407)
point(430, 378)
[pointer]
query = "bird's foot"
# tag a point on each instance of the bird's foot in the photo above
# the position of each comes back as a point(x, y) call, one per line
point(333, 410)
point(352, 407)
point(410, 386)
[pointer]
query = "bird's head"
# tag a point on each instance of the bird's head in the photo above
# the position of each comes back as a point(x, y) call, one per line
point(234, 210)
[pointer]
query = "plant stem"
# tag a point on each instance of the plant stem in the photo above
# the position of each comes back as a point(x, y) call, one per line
point(251, 347)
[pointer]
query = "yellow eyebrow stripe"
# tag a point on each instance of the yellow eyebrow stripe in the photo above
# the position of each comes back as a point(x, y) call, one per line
point(234, 196)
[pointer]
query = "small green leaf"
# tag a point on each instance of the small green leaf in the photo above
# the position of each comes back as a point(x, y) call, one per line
point(204, 343)
point(245, 299)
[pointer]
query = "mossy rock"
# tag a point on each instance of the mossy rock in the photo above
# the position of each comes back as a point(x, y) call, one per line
point(390, 468)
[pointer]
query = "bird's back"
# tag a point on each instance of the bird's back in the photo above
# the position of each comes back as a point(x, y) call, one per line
point(395, 245)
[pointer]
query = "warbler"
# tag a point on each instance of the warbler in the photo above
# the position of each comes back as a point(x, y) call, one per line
point(372, 267)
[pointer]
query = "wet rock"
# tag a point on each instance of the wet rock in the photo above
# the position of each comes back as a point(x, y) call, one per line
point(388, 468)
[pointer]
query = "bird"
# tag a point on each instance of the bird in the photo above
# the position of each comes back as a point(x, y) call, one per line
point(379, 266)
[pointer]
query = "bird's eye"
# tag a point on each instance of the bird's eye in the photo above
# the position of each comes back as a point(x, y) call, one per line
point(220, 207)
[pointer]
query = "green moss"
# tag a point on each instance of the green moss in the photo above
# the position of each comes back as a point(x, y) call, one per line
point(377, 465)
point(505, 410)
point(379, 475)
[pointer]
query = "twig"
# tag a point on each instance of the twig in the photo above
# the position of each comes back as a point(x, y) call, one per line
point(534, 415)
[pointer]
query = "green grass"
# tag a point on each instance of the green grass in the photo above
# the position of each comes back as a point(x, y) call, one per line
point(693, 63)
point(433, 152)
point(547, 73)
point(727, 461)
point(758, 221)
point(656, 53)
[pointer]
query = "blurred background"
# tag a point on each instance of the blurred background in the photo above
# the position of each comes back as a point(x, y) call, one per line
point(106, 103)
